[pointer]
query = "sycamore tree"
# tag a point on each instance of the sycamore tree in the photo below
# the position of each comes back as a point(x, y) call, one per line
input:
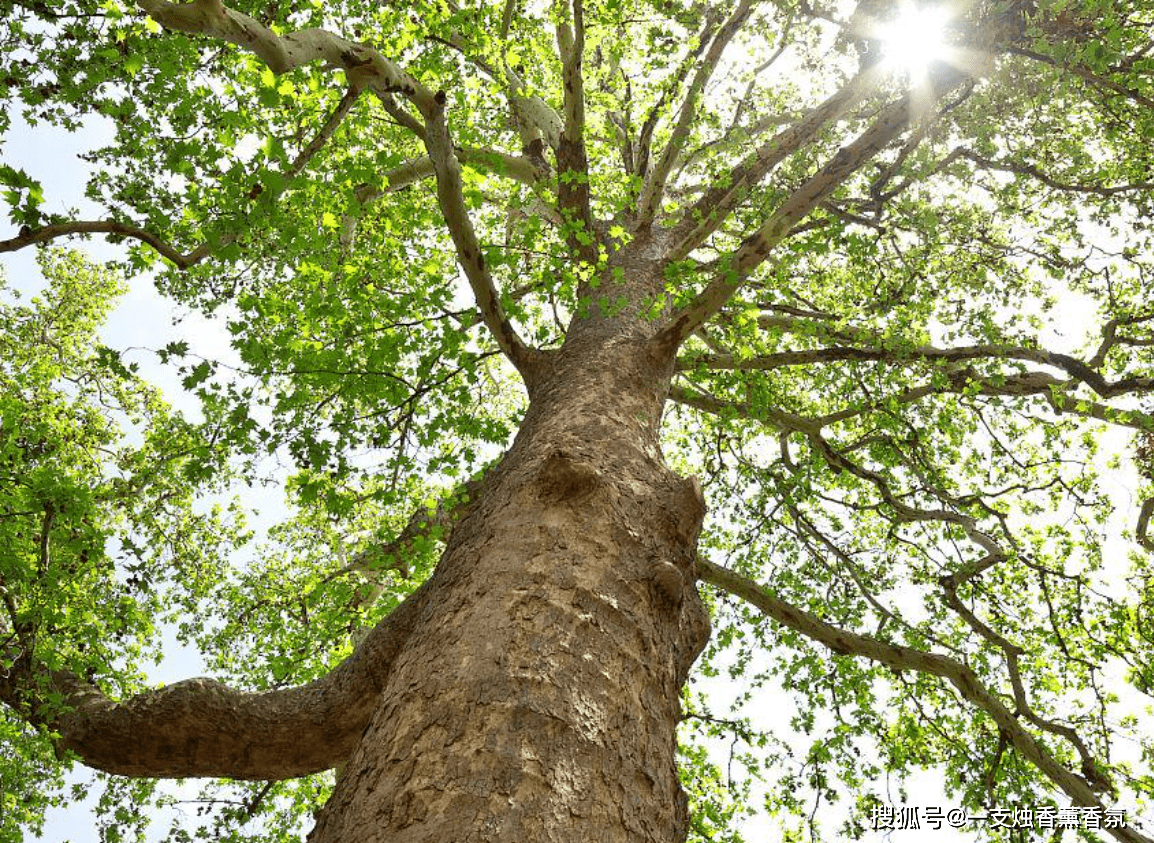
point(592, 340)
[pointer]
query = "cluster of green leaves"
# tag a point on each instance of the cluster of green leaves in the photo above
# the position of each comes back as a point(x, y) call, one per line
point(110, 536)
point(969, 253)
point(99, 518)
point(829, 541)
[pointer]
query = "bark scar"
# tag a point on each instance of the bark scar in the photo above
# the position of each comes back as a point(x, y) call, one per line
point(564, 477)
point(669, 582)
point(689, 509)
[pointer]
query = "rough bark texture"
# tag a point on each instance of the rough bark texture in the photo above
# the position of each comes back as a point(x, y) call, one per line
point(201, 727)
point(538, 696)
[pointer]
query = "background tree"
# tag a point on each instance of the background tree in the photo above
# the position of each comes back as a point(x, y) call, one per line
point(515, 290)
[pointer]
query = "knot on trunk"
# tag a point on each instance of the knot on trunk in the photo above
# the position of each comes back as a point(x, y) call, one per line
point(564, 477)
point(669, 583)
point(689, 508)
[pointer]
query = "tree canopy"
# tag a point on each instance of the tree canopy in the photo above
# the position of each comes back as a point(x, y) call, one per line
point(913, 314)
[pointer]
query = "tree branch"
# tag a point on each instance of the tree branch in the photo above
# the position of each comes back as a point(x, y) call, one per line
point(669, 86)
point(201, 727)
point(1078, 369)
point(756, 248)
point(519, 168)
point(1141, 531)
point(326, 132)
point(364, 66)
point(898, 658)
point(707, 214)
point(573, 198)
point(469, 255)
point(47, 233)
point(515, 167)
point(402, 116)
point(780, 419)
point(1085, 73)
point(960, 381)
point(1039, 175)
point(650, 199)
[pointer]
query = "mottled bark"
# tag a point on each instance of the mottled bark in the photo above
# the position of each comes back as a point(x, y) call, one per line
point(538, 697)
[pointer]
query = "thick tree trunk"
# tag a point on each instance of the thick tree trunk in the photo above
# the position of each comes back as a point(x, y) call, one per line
point(537, 697)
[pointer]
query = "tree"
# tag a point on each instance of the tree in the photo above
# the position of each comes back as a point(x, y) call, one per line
point(516, 290)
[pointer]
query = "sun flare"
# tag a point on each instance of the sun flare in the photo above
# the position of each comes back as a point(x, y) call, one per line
point(915, 39)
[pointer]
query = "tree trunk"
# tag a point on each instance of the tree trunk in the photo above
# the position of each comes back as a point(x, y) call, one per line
point(537, 697)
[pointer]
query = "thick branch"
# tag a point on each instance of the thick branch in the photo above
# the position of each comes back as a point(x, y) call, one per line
point(1078, 369)
point(1142, 531)
point(365, 67)
point(572, 160)
point(756, 248)
point(515, 167)
point(706, 215)
point(537, 122)
point(201, 727)
point(469, 255)
point(898, 658)
point(48, 233)
point(779, 419)
point(959, 382)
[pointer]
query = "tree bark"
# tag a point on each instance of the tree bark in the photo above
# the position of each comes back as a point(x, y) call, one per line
point(537, 697)
point(201, 727)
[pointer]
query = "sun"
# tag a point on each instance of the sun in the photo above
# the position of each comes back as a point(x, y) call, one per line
point(915, 39)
